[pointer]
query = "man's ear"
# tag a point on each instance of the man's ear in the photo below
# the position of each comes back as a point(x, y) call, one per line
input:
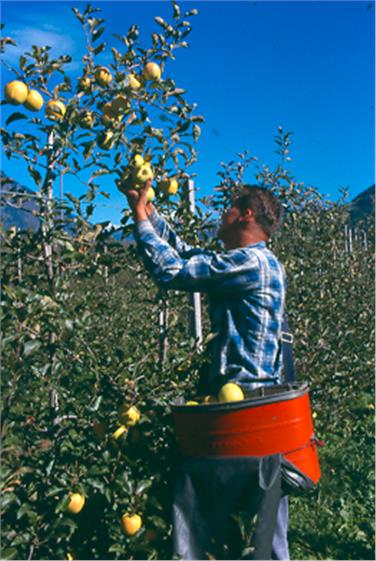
point(246, 215)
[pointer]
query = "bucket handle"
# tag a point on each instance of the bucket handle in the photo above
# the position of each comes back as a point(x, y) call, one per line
point(313, 441)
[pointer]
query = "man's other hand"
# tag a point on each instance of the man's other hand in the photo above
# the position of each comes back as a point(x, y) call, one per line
point(137, 200)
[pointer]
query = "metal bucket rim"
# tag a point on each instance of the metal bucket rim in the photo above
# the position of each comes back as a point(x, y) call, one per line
point(289, 391)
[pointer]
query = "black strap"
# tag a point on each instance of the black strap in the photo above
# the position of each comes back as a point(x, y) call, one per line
point(287, 352)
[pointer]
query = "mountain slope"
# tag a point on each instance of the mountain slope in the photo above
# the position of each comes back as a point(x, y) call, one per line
point(362, 206)
point(17, 211)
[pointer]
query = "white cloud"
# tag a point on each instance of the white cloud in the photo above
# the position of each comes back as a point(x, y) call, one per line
point(41, 35)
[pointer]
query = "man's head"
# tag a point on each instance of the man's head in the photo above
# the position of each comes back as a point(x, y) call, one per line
point(254, 216)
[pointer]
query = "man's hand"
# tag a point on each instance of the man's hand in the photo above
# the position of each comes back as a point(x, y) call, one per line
point(137, 199)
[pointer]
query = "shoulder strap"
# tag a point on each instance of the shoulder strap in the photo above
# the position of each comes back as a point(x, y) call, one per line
point(287, 352)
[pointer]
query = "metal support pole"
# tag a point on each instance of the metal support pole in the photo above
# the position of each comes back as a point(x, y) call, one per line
point(19, 264)
point(365, 241)
point(47, 223)
point(105, 268)
point(61, 196)
point(163, 322)
point(350, 240)
point(195, 318)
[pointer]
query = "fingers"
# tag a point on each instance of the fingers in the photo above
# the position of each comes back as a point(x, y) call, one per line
point(143, 191)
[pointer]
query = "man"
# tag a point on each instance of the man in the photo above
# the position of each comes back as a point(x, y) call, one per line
point(245, 284)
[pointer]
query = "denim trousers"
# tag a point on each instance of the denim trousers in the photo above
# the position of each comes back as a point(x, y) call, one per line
point(280, 548)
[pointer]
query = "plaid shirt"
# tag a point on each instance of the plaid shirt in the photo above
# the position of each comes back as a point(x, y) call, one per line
point(246, 292)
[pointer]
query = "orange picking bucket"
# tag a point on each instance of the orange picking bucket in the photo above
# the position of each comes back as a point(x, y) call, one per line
point(270, 420)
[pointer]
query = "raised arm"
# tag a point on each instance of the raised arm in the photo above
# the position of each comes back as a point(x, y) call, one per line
point(165, 231)
point(215, 272)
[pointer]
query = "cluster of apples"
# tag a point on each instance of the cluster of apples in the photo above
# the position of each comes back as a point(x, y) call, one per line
point(18, 93)
point(228, 392)
point(103, 77)
point(114, 111)
point(131, 523)
point(139, 172)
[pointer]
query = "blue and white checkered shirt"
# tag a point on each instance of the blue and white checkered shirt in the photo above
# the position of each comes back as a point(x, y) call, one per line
point(246, 292)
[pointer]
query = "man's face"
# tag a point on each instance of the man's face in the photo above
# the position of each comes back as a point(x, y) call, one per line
point(229, 224)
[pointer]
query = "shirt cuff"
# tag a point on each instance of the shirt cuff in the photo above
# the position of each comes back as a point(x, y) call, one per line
point(142, 228)
point(154, 217)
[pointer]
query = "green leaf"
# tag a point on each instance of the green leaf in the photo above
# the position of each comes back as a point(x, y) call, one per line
point(197, 119)
point(177, 11)
point(35, 175)
point(142, 486)
point(97, 33)
point(22, 62)
point(108, 494)
point(15, 117)
point(96, 404)
point(100, 48)
point(88, 148)
point(196, 132)
point(30, 347)
point(25, 508)
point(100, 485)
point(160, 21)
point(9, 553)
point(54, 491)
point(78, 15)
point(116, 548)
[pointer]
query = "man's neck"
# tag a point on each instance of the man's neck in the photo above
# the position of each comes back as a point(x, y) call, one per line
point(245, 239)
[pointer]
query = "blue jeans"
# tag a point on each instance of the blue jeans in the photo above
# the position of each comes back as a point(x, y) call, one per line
point(280, 549)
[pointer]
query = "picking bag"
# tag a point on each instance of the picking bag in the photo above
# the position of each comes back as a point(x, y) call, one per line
point(210, 491)
point(242, 457)
point(270, 420)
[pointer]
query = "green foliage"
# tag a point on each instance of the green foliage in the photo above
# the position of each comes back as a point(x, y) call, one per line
point(81, 336)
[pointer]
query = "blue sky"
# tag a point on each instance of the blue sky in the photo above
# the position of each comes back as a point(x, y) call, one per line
point(251, 66)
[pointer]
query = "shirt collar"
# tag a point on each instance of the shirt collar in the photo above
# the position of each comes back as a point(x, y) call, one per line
point(258, 244)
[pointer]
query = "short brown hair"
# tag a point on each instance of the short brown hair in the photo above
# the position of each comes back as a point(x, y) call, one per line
point(266, 206)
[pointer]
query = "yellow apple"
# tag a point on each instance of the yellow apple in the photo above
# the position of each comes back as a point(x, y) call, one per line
point(134, 83)
point(131, 523)
point(34, 101)
point(107, 121)
point(150, 194)
point(76, 503)
point(119, 105)
point(128, 416)
point(230, 392)
point(105, 140)
point(138, 161)
point(16, 92)
point(84, 84)
point(55, 110)
point(87, 119)
point(152, 71)
point(107, 109)
point(119, 432)
point(102, 76)
point(169, 186)
point(109, 118)
point(142, 174)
